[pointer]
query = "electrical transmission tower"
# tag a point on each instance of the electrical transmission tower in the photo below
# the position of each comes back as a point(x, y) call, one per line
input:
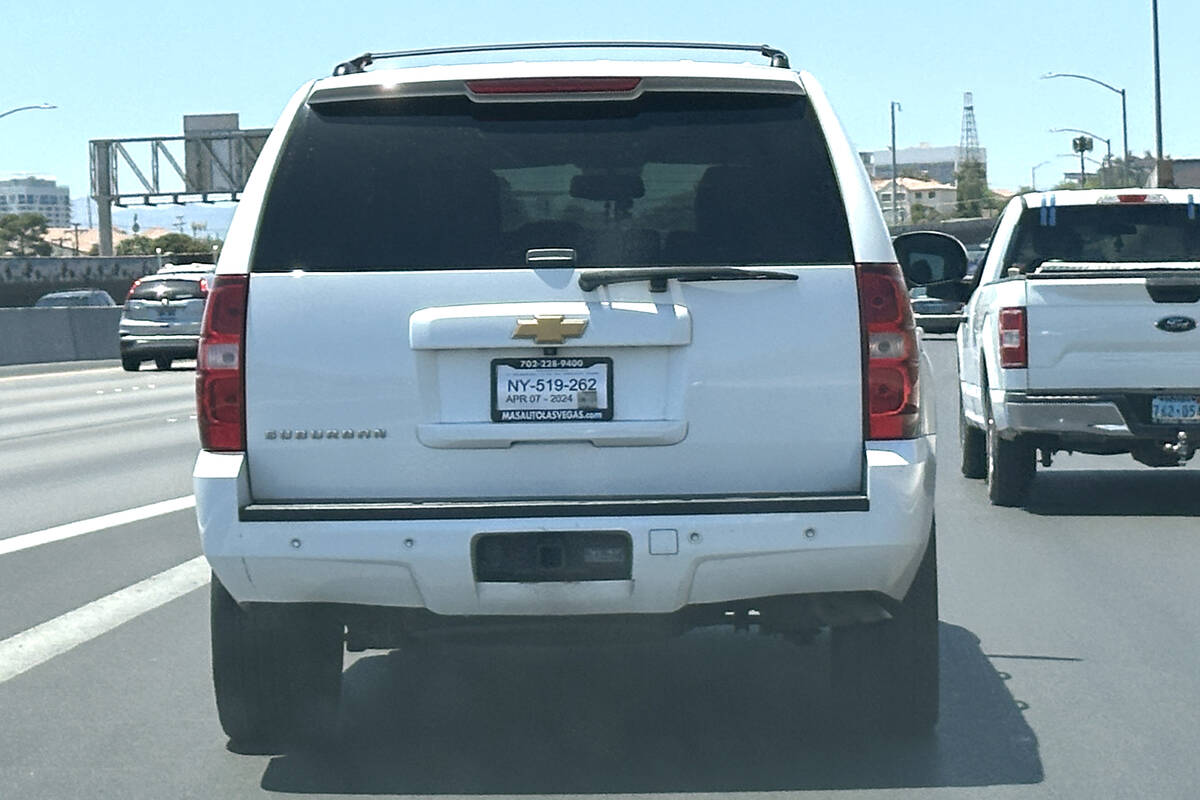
point(970, 173)
point(968, 145)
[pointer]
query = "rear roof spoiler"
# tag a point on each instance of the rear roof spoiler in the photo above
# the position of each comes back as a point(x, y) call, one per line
point(359, 64)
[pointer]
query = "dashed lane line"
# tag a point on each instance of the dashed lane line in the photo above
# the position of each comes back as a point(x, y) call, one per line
point(37, 645)
point(72, 529)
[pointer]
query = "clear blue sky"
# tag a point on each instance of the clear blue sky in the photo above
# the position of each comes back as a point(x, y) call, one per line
point(134, 69)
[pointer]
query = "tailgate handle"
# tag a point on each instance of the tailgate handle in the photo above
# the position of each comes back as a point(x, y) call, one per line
point(1173, 290)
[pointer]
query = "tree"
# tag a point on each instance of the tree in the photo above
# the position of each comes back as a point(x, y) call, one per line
point(135, 246)
point(168, 243)
point(924, 213)
point(23, 234)
point(971, 179)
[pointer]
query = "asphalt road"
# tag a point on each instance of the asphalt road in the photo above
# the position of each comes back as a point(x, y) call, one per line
point(1069, 630)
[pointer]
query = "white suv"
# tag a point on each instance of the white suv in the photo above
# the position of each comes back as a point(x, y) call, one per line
point(561, 348)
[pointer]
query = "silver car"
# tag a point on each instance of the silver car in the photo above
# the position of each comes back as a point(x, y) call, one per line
point(74, 298)
point(161, 320)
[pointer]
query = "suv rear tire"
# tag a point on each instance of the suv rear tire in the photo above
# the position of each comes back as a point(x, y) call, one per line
point(163, 362)
point(277, 672)
point(885, 674)
point(131, 363)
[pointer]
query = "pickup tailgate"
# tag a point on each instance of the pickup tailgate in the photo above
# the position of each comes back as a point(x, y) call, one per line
point(1129, 332)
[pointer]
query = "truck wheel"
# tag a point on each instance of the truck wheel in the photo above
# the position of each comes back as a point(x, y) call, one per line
point(885, 674)
point(277, 672)
point(163, 362)
point(972, 444)
point(1010, 467)
point(131, 363)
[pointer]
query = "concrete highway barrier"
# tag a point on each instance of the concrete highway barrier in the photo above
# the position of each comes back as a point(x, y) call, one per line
point(37, 335)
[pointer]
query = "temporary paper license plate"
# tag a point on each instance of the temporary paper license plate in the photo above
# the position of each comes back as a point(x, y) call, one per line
point(551, 389)
point(1175, 408)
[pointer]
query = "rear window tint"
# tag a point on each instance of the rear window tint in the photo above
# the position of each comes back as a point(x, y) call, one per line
point(169, 289)
point(444, 183)
point(1106, 233)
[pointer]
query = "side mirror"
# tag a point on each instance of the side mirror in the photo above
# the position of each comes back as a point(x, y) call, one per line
point(928, 258)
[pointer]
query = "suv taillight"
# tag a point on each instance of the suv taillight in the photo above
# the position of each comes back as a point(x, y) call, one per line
point(891, 361)
point(132, 287)
point(220, 384)
point(1014, 347)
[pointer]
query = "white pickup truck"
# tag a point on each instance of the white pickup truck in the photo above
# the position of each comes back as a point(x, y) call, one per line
point(1081, 334)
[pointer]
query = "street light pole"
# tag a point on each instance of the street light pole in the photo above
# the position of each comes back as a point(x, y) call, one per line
point(1033, 174)
point(27, 108)
point(1159, 178)
point(1107, 142)
point(1111, 88)
point(895, 105)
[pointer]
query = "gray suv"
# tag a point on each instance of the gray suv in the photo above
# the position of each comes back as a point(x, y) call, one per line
point(161, 320)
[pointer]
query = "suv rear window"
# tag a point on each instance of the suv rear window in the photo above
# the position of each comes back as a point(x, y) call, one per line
point(175, 289)
point(445, 183)
point(1106, 233)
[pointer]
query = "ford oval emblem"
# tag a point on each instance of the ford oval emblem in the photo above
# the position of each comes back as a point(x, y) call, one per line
point(1175, 324)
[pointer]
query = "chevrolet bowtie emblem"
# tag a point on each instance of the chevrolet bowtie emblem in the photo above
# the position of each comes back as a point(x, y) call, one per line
point(549, 328)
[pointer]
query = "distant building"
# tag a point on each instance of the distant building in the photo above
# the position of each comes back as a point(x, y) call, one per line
point(939, 164)
point(941, 198)
point(37, 195)
point(1185, 173)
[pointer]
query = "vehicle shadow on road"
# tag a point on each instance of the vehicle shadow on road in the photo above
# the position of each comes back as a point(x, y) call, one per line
point(714, 711)
point(1114, 493)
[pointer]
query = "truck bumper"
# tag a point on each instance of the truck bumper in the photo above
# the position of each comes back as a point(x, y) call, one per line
point(677, 560)
point(1084, 416)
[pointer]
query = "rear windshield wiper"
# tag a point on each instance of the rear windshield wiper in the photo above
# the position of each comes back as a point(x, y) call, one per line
point(658, 276)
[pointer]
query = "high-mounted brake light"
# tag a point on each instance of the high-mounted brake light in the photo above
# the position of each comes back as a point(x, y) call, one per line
point(552, 85)
point(891, 361)
point(220, 361)
point(1131, 198)
point(1014, 341)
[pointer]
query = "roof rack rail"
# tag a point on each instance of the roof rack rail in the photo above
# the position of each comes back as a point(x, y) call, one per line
point(360, 64)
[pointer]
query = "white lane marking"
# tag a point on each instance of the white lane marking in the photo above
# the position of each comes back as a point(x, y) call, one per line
point(72, 529)
point(39, 644)
point(58, 373)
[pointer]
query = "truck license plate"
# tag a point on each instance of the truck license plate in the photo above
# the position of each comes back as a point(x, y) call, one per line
point(551, 389)
point(1175, 408)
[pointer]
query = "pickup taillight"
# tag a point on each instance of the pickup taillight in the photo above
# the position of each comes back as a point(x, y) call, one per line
point(1014, 342)
point(220, 379)
point(891, 360)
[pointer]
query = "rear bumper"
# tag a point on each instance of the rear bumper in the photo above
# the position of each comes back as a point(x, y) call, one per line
point(175, 346)
point(939, 323)
point(711, 557)
point(1104, 416)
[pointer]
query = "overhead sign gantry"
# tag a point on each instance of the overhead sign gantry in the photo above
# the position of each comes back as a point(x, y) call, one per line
point(209, 163)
